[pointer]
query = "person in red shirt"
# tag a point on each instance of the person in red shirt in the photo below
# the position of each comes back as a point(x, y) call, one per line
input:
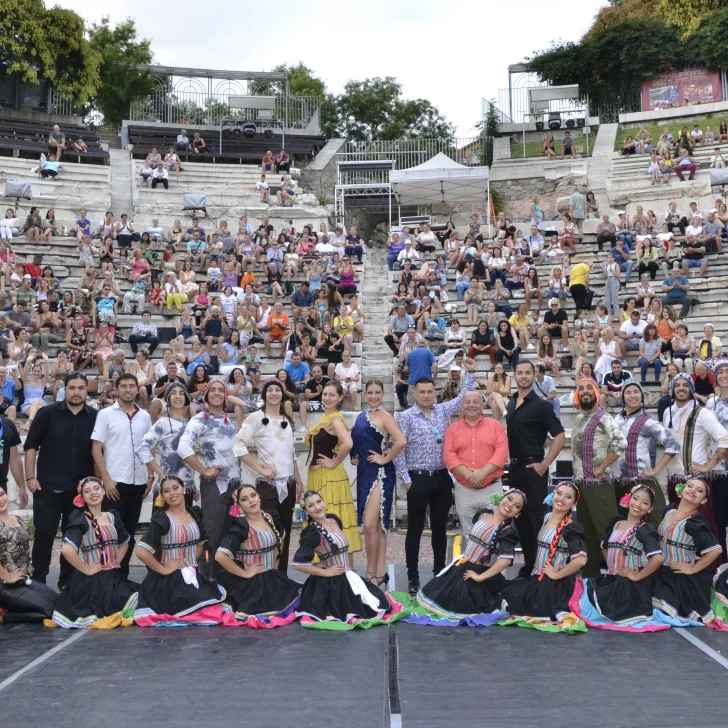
point(475, 451)
point(33, 269)
point(277, 328)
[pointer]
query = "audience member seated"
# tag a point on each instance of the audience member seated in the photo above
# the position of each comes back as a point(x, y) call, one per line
point(56, 143)
point(198, 144)
point(183, 141)
point(283, 162)
point(160, 176)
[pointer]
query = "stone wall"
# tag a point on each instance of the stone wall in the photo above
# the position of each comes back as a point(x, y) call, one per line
point(518, 193)
point(319, 177)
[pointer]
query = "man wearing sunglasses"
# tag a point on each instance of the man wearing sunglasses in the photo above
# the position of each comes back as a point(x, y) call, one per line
point(421, 468)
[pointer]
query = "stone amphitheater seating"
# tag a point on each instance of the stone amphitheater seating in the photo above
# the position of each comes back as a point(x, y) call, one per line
point(235, 149)
point(28, 138)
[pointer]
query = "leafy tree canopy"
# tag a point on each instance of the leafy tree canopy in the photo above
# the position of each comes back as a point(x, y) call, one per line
point(120, 83)
point(36, 43)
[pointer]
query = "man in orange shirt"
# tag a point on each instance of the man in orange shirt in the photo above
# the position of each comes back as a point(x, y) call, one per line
point(475, 451)
point(277, 328)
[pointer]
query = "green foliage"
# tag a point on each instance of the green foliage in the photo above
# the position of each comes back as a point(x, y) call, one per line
point(708, 45)
point(120, 82)
point(373, 109)
point(37, 43)
point(687, 15)
point(612, 61)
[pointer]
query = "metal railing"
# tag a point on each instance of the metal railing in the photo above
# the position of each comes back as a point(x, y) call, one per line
point(60, 106)
point(405, 153)
point(199, 108)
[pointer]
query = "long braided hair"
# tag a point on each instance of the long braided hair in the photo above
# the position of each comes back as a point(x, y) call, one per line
point(81, 503)
point(553, 546)
point(236, 511)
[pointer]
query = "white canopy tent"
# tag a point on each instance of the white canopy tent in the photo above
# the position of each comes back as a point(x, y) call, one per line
point(439, 180)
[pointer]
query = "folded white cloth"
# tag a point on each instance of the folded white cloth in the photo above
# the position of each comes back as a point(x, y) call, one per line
point(360, 589)
point(189, 574)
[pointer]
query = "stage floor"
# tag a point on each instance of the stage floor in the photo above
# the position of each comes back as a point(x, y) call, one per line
point(404, 675)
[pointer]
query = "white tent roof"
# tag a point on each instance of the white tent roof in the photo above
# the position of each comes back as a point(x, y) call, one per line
point(439, 180)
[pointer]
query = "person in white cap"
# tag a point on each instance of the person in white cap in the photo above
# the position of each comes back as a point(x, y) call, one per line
point(556, 323)
point(454, 383)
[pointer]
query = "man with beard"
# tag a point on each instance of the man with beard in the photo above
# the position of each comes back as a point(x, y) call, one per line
point(529, 419)
point(643, 435)
point(704, 442)
point(206, 446)
point(276, 475)
point(718, 405)
point(596, 443)
point(62, 434)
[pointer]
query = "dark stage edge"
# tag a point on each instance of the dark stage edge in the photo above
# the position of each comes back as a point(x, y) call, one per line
point(464, 677)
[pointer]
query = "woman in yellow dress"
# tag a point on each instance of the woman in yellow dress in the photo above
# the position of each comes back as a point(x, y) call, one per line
point(329, 443)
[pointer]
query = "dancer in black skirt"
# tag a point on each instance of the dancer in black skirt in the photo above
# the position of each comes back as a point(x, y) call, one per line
point(681, 592)
point(21, 598)
point(335, 596)
point(542, 600)
point(467, 592)
point(621, 599)
point(257, 593)
point(174, 593)
point(95, 542)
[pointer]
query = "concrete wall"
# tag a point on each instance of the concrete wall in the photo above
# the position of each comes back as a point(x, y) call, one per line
point(320, 175)
point(682, 113)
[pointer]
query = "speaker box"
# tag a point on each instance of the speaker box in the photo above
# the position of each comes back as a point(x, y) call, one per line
point(194, 201)
point(17, 188)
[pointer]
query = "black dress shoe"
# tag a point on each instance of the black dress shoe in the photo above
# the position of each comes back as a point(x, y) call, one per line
point(413, 586)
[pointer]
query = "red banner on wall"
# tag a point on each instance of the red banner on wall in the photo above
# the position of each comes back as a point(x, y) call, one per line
point(681, 88)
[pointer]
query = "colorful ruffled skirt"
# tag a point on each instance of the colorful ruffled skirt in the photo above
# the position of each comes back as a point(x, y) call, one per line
point(346, 602)
point(449, 600)
point(181, 598)
point(265, 601)
point(101, 601)
point(542, 605)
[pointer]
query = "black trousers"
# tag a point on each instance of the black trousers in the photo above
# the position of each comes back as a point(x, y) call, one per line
point(215, 511)
point(530, 520)
point(433, 489)
point(392, 344)
point(129, 507)
point(49, 509)
point(610, 238)
point(269, 502)
point(160, 180)
point(136, 339)
point(401, 390)
point(578, 293)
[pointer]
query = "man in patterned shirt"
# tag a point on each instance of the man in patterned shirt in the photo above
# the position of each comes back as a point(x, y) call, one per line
point(596, 443)
point(421, 469)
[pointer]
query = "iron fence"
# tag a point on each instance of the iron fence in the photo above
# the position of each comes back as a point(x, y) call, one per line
point(405, 153)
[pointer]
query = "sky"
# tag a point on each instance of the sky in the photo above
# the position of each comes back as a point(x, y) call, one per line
point(453, 55)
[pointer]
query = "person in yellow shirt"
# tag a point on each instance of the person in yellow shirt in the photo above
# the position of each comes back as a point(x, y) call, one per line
point(519, 321)
point(579, 286)
point(344, 327)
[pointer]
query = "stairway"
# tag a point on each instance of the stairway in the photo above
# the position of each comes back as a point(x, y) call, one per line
point(600, 163)
point(121, 183)
point(376, 356)
point(113, 140)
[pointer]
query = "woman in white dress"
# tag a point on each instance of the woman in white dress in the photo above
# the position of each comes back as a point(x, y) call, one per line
point(607, 354)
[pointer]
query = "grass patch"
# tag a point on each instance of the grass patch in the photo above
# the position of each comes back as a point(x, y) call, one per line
point(533, 149)
point(656, 130)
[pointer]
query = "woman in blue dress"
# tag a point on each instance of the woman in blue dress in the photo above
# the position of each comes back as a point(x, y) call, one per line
point(377, 442)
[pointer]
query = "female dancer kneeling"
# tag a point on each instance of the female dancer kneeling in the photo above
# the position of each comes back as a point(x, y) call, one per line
point(467, 592)
point(335, 596)
point(541, 600)
point(258, 594)
point(621, 599)
point(173, 592)
point(96, 595)
point(21, 599)
point(681, 589)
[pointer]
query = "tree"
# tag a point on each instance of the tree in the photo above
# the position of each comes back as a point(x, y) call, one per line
point(688, 14)
point(120, 82)
point(38, 44)
point(373, 109)
point(708, 45)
